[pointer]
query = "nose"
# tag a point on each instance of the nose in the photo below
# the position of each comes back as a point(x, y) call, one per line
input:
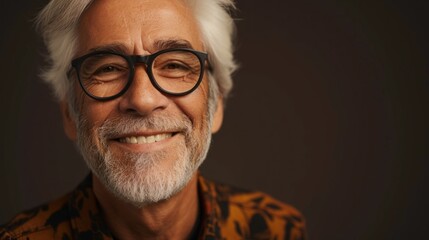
point(142, 98)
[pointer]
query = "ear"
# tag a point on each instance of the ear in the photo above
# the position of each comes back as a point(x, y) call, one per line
point(218, 115)
point(69, 123)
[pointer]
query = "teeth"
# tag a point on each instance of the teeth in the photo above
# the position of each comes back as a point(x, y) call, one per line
point(141, 140)
point(148, 139)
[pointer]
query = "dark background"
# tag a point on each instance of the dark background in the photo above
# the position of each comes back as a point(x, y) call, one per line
point(329, 113)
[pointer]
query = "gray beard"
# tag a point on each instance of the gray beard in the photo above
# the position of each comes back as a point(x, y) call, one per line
point(144, 178)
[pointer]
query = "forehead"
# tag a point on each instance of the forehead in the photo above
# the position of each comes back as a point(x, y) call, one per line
point(136, 24)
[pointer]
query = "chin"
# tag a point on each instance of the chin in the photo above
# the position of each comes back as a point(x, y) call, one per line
point(142, 179)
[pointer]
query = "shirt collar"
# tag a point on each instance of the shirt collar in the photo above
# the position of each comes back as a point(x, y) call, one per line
point(88, 223)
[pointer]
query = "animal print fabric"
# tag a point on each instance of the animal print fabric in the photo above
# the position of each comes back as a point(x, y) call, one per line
point(228, 213)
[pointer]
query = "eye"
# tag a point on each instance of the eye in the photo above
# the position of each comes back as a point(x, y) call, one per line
point(103, 65)
point(175, 66)
point(107, 69)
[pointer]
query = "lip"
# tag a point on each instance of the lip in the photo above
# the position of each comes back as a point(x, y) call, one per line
point(143, 134)
point(144, 147)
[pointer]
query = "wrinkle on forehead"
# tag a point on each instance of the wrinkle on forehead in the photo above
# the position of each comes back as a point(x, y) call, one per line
point(138, 24)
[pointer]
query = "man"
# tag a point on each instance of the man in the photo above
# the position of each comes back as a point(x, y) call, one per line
point(142, 85)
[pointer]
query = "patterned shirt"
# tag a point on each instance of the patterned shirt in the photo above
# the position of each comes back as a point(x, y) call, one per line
point(227, 213)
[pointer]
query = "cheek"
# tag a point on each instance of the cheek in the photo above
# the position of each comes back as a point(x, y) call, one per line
point(195, 106)
point(96, 112)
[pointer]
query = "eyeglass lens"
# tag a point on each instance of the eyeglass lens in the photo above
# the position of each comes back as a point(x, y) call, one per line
point(105, 75)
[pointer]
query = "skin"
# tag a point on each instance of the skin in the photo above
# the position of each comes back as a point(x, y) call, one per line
point(137, 25)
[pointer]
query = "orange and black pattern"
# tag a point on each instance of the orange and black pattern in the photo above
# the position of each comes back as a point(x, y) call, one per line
point(228, 213)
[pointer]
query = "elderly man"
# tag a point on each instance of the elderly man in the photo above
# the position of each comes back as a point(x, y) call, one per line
point(141, 84)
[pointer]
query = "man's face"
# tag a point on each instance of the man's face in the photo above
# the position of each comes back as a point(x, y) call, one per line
point(144, 146)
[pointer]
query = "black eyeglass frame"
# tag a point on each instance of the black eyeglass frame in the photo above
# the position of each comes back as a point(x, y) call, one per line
point(132, 60)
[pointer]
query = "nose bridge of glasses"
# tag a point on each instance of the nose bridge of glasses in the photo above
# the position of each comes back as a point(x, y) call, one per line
point(140, 59)
point(137, 60)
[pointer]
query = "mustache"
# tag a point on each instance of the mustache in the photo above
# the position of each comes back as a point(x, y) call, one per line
point(114, 127)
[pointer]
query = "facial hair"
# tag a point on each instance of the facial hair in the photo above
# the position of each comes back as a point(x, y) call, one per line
point(144, 178)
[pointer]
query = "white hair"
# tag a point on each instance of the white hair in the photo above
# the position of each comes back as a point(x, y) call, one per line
point(58, 22)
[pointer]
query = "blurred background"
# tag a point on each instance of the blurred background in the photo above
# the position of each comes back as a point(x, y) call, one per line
point(329, 113)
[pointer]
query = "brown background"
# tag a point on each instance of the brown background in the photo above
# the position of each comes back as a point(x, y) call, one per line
point(329, 114)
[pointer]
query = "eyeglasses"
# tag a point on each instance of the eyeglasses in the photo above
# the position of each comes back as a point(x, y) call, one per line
point(105, 75)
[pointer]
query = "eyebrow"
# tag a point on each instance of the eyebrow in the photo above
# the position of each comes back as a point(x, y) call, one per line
point(172, 43)
point(114, 47)
point(157, 46)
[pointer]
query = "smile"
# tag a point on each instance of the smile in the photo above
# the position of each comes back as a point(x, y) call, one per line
point(145, 139)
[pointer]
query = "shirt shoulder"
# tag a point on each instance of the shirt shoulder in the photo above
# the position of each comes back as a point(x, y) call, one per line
point(247, 214)
point(74, 216)
point(43, 222)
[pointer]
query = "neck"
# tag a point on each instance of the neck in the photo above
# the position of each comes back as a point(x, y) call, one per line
point(173, 218)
